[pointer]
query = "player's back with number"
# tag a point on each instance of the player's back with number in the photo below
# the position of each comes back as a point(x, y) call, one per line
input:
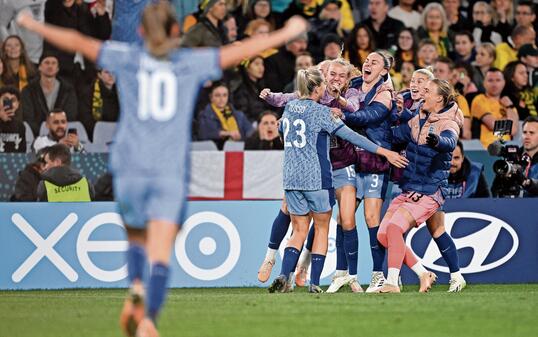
point(157, 99)
point(306, 127)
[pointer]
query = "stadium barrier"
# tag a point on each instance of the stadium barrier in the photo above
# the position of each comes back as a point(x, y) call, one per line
point(222, 243)
point(250, 175)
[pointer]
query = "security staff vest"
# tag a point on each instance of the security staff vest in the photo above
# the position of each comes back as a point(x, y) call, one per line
point(76, 192)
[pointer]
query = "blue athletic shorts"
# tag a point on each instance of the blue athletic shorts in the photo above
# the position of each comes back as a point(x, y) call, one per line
point(372, 185)
point(344, 177)
point(142, 199)
point(302, 202)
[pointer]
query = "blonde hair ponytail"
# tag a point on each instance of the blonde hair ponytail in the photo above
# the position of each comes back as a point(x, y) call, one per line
point(158, 20)
point(308, 80)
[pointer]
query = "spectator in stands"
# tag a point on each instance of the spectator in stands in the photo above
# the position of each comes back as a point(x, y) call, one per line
point(260, 28)
point(507, 51)
point(57, 126)
point(311, 8)
point(504, 10)
point(461, 80)
point(60, 182)
point(457, 19)
point(220, 121)
point(528, 54)
point(260, 9)
point(491, 106)
point(466, 178)
point(2, 67)
point(427, 53)
point(100, 103)
point(209, 31)
point(29, 178)
point(464, 47)
point(332, 46)
point(360, 43)
point(9, 26)
point(266, 137)
point(48, 92)
point(70, 14)
point(404, 73)
point(485, 56)
point(384, 28)
point(303, 61)
point(443, 70)
point(407, 48)
point(230, 25)
point(526, 14)
point(484, 24)
point(325, 25)
point(518, 90)
point(404, 12)
point(12, 131)
point(435, 28)
point(19, 69)
point(530, 148)
point(279, 68)
point(246, 98)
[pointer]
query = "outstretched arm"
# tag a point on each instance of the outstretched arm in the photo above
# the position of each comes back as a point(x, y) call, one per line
point(233, 54)
point(69, 40)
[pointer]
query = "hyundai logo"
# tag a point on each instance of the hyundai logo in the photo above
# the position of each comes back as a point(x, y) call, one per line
point(482, 242)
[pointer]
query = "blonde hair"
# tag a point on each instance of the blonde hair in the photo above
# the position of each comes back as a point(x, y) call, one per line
point(157, 20)
point(428, 72)
point(445, 89)
point(344, 63)
point(509, 14)
point(490, 49)
point(435, 6)
point(307, 81)
point(489, 9)
point(253, 25)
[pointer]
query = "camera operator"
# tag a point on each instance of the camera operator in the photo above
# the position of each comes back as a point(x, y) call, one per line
point(530, 148)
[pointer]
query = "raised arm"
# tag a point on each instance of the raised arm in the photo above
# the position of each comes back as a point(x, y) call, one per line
point(277, 99)
point(233, 54)
point(66, 39)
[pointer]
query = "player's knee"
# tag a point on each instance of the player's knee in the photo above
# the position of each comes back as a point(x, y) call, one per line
point(382, 238)
point(347, 223)
point(372, 219)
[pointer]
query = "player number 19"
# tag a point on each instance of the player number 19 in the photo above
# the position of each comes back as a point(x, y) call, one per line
point(157, 95)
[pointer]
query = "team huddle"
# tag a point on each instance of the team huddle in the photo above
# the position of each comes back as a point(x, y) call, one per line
point(338, 131)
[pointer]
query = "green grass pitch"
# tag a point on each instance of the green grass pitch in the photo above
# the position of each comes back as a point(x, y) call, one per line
point(481, 310)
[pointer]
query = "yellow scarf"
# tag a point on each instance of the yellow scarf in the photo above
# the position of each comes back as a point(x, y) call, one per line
point(226, 118)
point(23, 77)
point(97, 102)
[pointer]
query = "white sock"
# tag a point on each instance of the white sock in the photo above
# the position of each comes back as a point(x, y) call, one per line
point(270, 255)
point(304, 259)
point(392, 276)
point(456, 275)
point(419, 269)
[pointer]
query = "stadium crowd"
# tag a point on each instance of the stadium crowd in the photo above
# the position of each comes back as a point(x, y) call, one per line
point(485, 49)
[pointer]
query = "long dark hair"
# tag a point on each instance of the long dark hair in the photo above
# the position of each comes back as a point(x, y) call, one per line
point(254, 87)
point(352, 46)
point(8, 76)
point(399, 51)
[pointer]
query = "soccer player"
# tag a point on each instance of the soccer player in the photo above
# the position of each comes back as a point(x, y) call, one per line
point(431, 137)
point(158, 84)
point(307, 126)
point(436, 223)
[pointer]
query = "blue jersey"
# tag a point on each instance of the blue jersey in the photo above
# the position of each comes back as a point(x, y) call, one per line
point(126, 20)
point(306, 127)
point(157, 99)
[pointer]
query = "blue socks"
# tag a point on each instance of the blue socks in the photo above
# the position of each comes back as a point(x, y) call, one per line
point(341, 261)
point(351, 248)
point(310, 238)
point(289, 262)
point(156, 289)
point(378, 251)
point(317, 267)
point(136, 262)
point(448, 251)
point(279, 229)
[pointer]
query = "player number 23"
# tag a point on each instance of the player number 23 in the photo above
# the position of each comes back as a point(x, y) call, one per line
point(157, 94)
point(300, 126)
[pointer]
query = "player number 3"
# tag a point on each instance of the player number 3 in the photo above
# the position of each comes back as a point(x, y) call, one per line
point(300, 125)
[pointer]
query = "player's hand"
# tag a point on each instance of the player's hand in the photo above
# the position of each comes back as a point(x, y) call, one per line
point(296, 25)
point(396, 159)
point(337, 113)
point(432, 139)
point(264, 93)
point(25, 19)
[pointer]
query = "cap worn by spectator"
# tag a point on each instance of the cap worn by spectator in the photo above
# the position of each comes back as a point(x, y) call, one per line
point(47, 54)
point(206, 5)
point(527, 50)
